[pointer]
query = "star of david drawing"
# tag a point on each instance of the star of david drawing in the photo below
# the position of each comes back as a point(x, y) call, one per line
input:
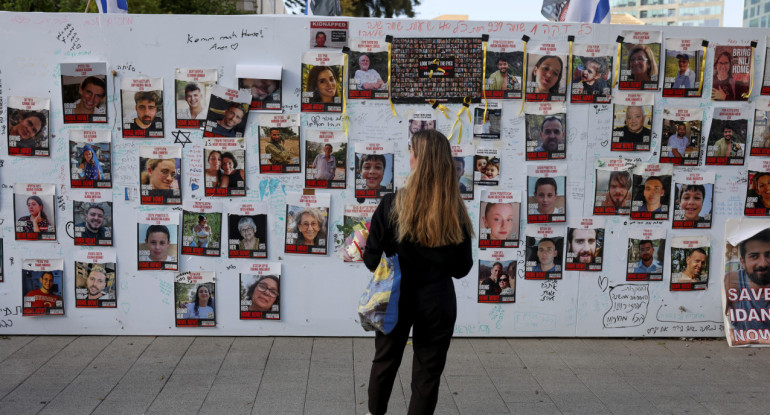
point(185, 137)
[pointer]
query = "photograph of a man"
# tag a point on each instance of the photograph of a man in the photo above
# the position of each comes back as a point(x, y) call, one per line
point(678, 141)
point(196, 107)
point(647, 263)
point(227, 126)
point(696, 262)
point(653, 192)
point(147, 103)
point(634, 129)
point(276, 150)
point(47, 295)
point(685, 78)
point(92, 92)
point(551, 135)
point(582, 245)
point(726, 146)
point(366, 77)
point(94, 224)
point(618, 194)
point(502, 79)
point(325, 164)
point(547, 256)
point(96, 285)
point(753, 276)
point(489, 285)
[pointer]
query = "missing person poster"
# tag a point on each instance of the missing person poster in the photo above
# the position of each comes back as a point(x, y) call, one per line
point(328, 34)
point(201, 228)
point(96, 281)
point(160, 175)
point(28, 125)
point(690, 262)
point(640, 58)
point(632, 121)
point(42, 283)
point(651, 191)
point(326, 154)
point(420, 121)
point(260, 291)
point(681, 136)
point(307, 223)
point(228, 112)
point(613, 186)
point(487, 163)
point(157, 241)
point(546, 193)
point(728, 136)
point(646, 254)
point(585, 245)
point(263, 82)
point(592, 74)
point(368, 69)
point(462, 154)
point(448, 69)
point(322, 86)
point(760, 140)
point(194, 294)
point(766, 76)
point(746, 282)
point(758, 188)
point(192, 93)
point(504, 69)
point(497, 276)
point(546, 131)
point(34, 208)
point(547, 71)
point(486, 121)
point(84, 92)
point(90, 159)
point(499, 219)
point(354, 231)
point(732, 72)
point(225, 171)
point(279, 143)
point(683, 73)
point(374, 169)
point(142, 104)
point(543, 253)
point(92, 216)
point(693, 199)
point(247, 230)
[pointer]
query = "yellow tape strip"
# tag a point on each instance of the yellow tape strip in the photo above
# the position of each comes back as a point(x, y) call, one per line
point(617, 66)
point(390, 97)
point(702, 70)
point(440, 107)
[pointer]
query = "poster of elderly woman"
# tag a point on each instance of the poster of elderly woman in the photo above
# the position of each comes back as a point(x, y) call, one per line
point(90, 159)
point(247, 230)
point(640, 58)
point(307, 218)
point(28, 126)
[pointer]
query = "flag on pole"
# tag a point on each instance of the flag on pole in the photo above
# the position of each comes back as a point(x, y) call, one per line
point(112, 6)
point(586, 11)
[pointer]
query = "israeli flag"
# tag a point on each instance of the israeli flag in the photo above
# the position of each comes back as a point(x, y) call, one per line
point(587, 11)
point(112, 6)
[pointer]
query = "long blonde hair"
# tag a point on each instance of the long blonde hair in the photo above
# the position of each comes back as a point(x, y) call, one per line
point(430, 210)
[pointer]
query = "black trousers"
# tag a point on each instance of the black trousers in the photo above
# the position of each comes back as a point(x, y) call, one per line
point(432, 310)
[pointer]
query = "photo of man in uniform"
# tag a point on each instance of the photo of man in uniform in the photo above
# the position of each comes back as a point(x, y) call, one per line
point(92, 93)
point(147, 103)
point(276, 150)
point(647, 264)
point(695, 264)
point(43, 296)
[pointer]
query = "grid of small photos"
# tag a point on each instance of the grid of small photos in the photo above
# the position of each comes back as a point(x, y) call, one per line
point(416, 71)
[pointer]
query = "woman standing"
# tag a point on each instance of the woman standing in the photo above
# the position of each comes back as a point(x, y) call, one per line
point(427, 225)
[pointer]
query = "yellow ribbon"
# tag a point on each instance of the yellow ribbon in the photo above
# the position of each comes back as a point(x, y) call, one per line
point(524, 80)
point(437, 68)
point(702, 69)
point(390, 97)
point(746, 95)
point(483, 77)
point(465, 108)
point(442, 108)
point(617, 66)
point(345, 118)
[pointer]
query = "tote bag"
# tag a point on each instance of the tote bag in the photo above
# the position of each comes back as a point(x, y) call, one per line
point(378, 305)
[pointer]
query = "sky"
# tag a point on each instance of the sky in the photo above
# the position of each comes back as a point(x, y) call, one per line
point(526, 10)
